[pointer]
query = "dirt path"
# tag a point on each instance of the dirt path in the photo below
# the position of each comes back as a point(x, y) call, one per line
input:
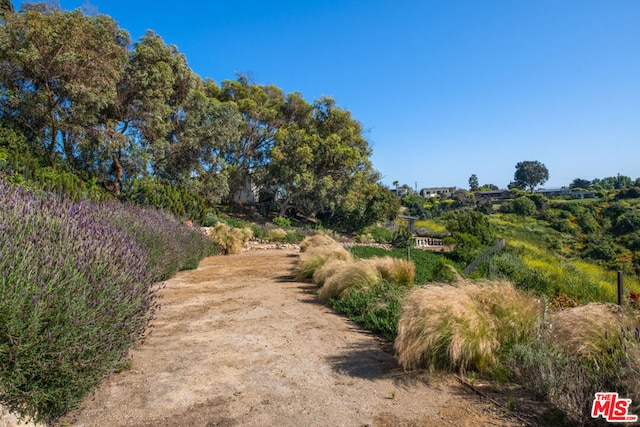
point(237, 342)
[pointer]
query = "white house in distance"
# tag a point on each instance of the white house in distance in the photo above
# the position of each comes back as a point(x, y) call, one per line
point(437, 191)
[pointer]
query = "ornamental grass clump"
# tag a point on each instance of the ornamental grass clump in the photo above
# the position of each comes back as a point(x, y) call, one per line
point(463, 327)
point(76, 292)
point(399, 271)
point(319, 239)
point(327, 270)
point(583, 350)
point(359, 274)
point(229, 241)
point(602, 334)
point(316, 256)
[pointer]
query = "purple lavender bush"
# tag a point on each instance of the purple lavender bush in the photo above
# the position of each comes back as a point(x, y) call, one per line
point(77, 291)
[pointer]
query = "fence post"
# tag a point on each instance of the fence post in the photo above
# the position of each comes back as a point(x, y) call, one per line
point(620, 288)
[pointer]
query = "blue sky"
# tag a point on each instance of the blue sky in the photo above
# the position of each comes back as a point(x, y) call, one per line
point(444, 89)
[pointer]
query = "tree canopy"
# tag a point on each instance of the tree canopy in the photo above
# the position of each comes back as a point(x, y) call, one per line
point(530, 174)
point(88, 101)
point(473, 183)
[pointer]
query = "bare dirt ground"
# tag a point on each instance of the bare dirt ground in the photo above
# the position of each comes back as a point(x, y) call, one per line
point(239, 343)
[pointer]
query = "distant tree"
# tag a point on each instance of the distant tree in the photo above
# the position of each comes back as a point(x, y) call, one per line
point(395, 185)
point(637, 183)
point(475, 224)
point(580, 183)
point(623, 182)
point(462, 198)
point(405, 190)
point(513, 185)
point(473, 183)
point(608, 183)
point(530, 174)
point(415, 204)
point(489, 187)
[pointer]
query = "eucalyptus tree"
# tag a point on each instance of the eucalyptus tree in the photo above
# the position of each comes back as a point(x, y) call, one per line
point(58, 71)
point(143, 122)
point(262, 112)
point(321, 163)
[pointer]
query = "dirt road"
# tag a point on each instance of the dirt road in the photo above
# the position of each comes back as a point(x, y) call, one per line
point(238, 343)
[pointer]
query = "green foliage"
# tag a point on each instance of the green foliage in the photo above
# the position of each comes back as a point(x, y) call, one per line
point(281, 222)
point(375, 307)
point(294, 236)
point(89, 105)
point(523, 206)
point(508, 265)
point(76, 292)
point(473, 183)
point(599, 249)
point(211, 219)
point(530, 174)
point(587, 223)
point(180, 202)
point(474, 224)
point(426, 262)
point(380, 234)
point(444, 271)
point(402, 239)
point(467, 247)
point(415, 203)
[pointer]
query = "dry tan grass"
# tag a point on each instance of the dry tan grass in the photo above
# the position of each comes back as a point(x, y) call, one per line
point(396, 270)
point(319, 239)
point(316, 256)
point(462, 327)
point(328, 269)
point(275, 235)
point(361, 273)
point(229, 241)
point(591, 331)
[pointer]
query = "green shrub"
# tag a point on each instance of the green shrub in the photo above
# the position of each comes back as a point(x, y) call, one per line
point(211, 220)
point(180, 202)
point(444, 272)
point(523, 206)
point(375, 307)
point(474, 224)
point(258, 231)
point(599, 249)
point(380, 234)
point(294, 236)
point(466, 247)
point(402, 239)
point(282, 222)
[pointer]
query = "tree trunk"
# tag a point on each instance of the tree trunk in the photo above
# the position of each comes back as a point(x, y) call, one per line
point(117, 166)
